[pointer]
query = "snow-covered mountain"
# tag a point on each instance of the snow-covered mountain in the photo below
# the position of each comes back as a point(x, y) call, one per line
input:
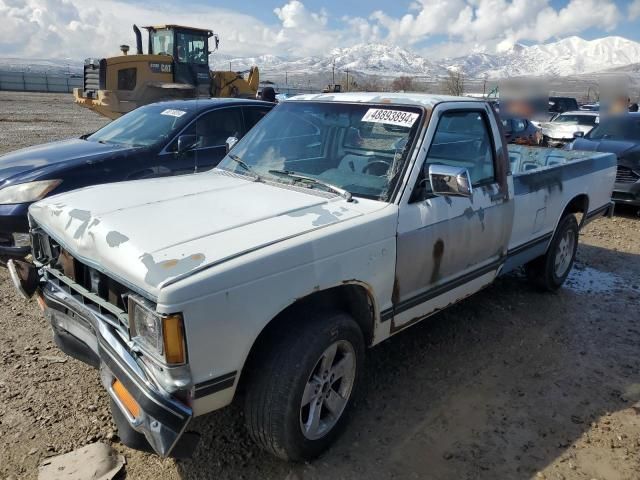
point(566, 57)
point(372, 59)
point(569, 56)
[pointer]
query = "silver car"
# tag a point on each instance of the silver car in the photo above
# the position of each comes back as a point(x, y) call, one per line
point(563, 127)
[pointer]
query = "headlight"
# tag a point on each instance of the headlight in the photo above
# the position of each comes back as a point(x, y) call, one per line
point(27, 192)
point(160, 335)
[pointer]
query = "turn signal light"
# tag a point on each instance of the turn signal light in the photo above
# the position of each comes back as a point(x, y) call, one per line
point(126, 399)
point(173, 337)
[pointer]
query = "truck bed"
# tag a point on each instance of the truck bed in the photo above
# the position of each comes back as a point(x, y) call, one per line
point(544, 179)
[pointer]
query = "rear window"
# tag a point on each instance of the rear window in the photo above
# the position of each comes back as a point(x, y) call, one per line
point(562, 104)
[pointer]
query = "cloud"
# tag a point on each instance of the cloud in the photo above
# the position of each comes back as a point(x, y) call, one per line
point(634, 10)
point(490, 25)
point(81, 28)
point(576, 17)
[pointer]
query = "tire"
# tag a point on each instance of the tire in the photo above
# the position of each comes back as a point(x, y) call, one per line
point(292, 368)
point(549, 271)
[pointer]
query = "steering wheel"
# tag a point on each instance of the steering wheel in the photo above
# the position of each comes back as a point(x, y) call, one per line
point(369, 165)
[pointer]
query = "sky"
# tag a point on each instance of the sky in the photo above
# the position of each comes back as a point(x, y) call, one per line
point(77, 29)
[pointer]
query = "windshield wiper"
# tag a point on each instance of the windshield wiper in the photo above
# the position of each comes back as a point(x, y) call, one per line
point(303, 178)
point(244, 165)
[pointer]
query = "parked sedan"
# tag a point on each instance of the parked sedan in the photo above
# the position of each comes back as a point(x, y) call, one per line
point(619, 135)
point(559, 131)
point(161, 139)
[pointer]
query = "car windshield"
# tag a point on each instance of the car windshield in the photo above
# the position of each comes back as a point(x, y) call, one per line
point(579, 119)
point(625, 127)
point(356, 147)
point(143, 127)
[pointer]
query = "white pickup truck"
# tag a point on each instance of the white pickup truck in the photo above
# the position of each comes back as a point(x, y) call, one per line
point(338, 221)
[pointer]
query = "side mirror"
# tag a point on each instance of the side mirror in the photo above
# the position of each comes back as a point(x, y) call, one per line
point(186, 143)
point(578, 134)
point(230, 143)
point(453, 181)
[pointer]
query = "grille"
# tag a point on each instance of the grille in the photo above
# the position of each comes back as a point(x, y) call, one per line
point(87, 285)
point(626, 175)
point(94, 76)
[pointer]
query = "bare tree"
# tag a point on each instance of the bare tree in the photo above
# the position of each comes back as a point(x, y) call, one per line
point(402, 84)
point(453, 83)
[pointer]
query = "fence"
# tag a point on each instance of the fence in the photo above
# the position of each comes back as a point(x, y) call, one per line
point(39, 81)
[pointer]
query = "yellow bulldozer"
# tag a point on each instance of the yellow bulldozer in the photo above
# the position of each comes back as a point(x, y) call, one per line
point(176, 66)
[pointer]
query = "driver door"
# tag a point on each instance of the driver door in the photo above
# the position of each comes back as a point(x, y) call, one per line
point(450, 246)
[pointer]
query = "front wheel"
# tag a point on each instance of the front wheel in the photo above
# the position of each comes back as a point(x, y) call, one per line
point(549, 271)
point(302, 387)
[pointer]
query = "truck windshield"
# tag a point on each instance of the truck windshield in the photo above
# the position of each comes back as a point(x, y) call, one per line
point(359, 148)
point(625, 127)
point(143, 127)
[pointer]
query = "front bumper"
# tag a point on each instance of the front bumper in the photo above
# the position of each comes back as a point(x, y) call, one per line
point(557, 142)
point(80, 332)
point(627, 193)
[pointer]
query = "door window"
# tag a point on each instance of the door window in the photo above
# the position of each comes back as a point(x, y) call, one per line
point(191, 48)
point(253, 115)
point(213, 128)
point(127, 78)
point(462, 139)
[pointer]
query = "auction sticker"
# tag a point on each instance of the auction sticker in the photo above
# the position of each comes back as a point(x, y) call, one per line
point(390, 117)
point(173, 113)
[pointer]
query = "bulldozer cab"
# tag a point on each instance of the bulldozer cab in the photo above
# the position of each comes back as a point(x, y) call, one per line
point(175, 66)
point(189, 48)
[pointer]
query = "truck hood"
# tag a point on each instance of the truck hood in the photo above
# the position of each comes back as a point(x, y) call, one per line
point(149, 233)
point(16, 164)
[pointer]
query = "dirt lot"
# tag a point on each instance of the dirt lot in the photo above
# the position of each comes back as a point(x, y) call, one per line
point(509, 384)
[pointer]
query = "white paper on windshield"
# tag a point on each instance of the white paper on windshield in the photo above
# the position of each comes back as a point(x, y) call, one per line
point(390, 117)
point(173, 113)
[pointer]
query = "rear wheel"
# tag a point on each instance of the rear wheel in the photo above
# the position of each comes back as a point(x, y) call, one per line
point(549, 271)
point(300, 391)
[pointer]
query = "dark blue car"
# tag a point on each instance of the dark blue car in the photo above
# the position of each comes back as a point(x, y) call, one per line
point(161, 139)
point(620, 135)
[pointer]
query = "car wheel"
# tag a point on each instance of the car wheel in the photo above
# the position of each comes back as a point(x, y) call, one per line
point(300, 391)
point(549, 271)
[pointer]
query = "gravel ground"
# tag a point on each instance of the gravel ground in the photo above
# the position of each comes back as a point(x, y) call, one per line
point(510, 383)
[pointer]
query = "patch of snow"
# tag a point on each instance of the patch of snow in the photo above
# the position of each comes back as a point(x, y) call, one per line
point(588, 281)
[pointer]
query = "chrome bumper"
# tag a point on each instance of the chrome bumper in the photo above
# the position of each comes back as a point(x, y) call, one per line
point(81, 333)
